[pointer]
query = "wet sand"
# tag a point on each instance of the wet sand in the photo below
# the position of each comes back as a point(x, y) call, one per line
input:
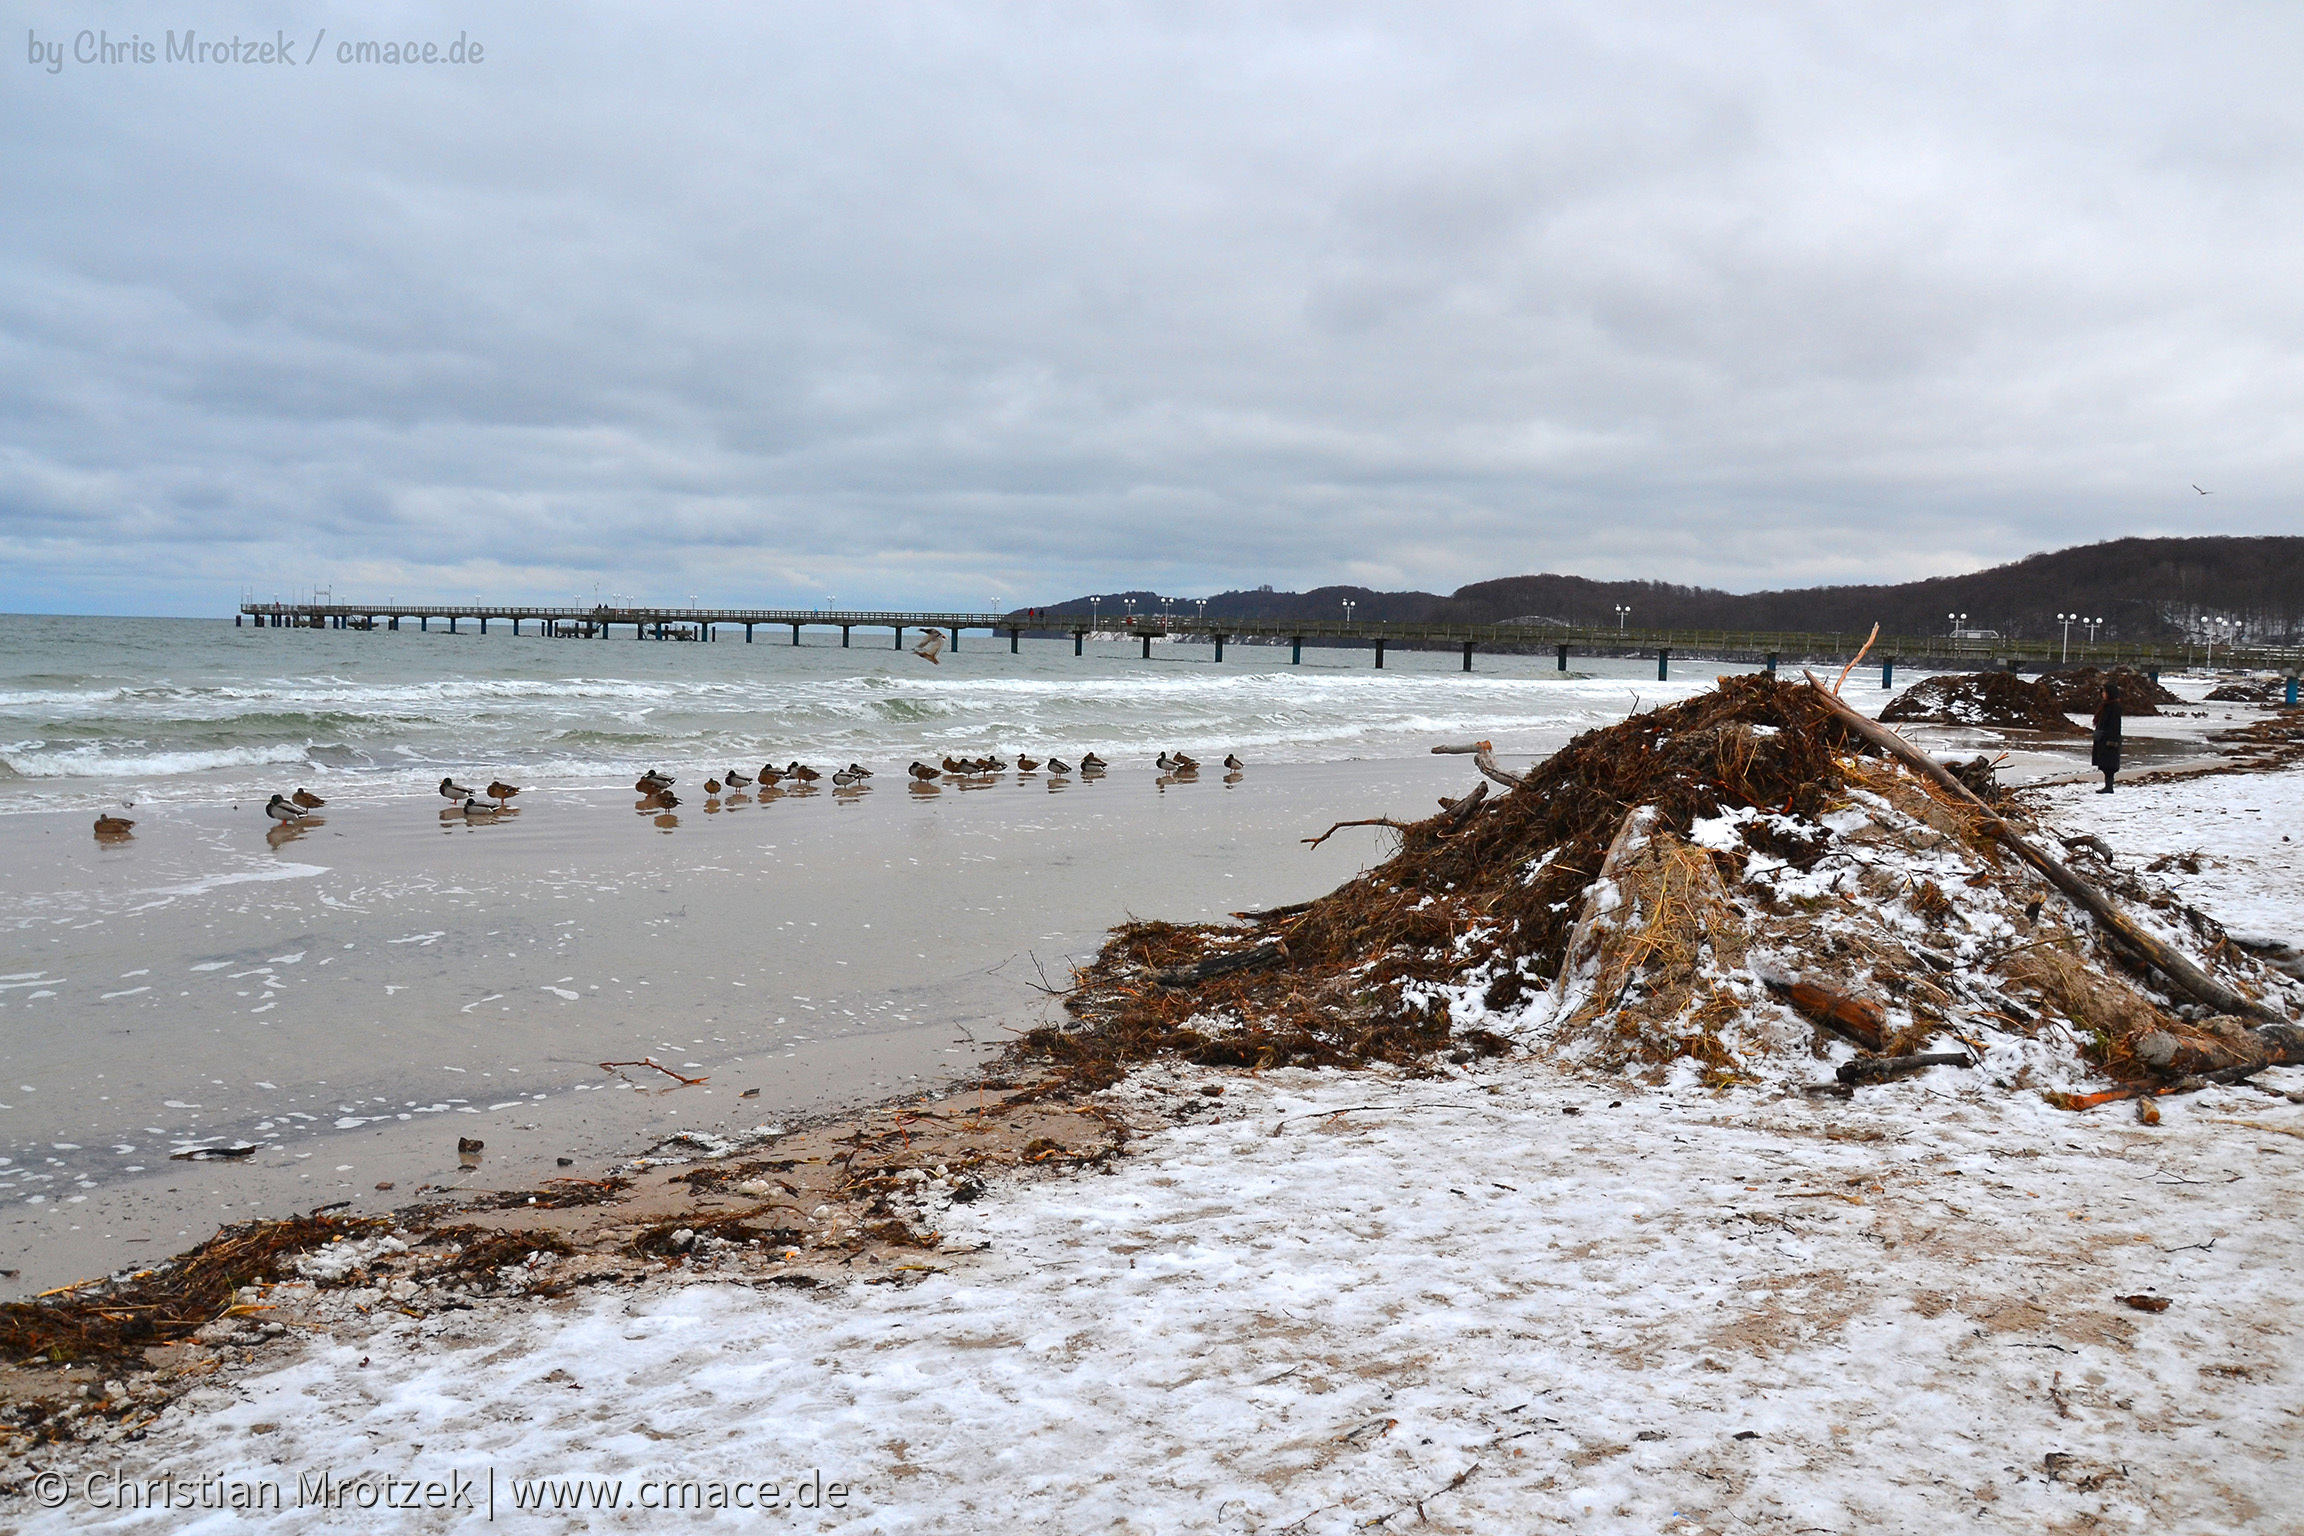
point(355, 998)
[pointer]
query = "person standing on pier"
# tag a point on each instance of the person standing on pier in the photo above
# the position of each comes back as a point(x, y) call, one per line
point(2106, 752)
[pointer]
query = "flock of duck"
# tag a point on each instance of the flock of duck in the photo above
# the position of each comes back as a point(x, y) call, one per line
point(292, 813)
point(656, 793)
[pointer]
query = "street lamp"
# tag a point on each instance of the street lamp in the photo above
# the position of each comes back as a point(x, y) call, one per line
point(1959, 622)
point(1348, 606)
point(2068, 620)
point(2093, 626)
point(1622, 613)
point(1095, 613)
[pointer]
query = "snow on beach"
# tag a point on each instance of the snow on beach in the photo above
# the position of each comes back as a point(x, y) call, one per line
point(1479, 1302)
point(1488, 1296)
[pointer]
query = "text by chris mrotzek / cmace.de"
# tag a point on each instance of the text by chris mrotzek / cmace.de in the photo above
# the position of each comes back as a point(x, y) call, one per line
point(96, 47)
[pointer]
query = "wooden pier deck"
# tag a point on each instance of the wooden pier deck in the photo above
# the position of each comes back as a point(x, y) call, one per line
point(1769, 648)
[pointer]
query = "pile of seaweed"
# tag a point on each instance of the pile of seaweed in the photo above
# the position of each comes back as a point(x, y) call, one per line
point(1738, 886)
point(2001, 700)
point(2079, 690)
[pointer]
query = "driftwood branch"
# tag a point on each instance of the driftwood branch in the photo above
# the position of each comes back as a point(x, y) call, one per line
point(610, 1066)
point(1880, 1069)
point(1365, 821)
point(2170, 962)
point(1461, 811)
point(1858, 1018)
point(1222, 965)
point(1479, 752)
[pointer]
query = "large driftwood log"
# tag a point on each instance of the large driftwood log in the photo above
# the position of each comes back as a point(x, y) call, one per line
point(1222, 965)
point(2169, 962)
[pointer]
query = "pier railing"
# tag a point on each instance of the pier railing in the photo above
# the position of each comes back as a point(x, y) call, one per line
point(1770, 647)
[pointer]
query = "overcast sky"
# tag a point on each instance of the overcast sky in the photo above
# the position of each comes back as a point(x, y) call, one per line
point(928, 305)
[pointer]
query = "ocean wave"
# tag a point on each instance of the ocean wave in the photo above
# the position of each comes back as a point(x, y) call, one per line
point(95, 763)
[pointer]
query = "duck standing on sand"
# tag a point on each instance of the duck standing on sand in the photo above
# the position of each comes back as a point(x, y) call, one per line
point(649, 782)
point(1233, 762)
point(860, 770)
point(449, 790)
point(108, 825)
point(282, 809)
point(734, 780)
point(1164, 763)
point(769, 775)
point(1091, 760)
point(923, 772)
point(1058, 765)
point(1027, 765)
point(803, 773)
point(499, 791)
point(711, 786)
point(307, 799)
point(843, 778)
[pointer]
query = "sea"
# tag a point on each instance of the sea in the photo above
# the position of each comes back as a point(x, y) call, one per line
point(215, 1017)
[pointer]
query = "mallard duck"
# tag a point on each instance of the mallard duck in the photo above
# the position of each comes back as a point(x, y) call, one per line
point(1233, 762)
point(1164, 763)
point(992, 765)
point(307, 799)
point(1027, 765)
point(734, 780)
point(449, 790)
point(954, 765)
point(658, 800)
point(843, 778)
point(860, 770)
point(1181, 761)
point(477, 807)
point(499, 791)
point(113, 826)
point(281, 808)
point(1058, 765)
point(768, 775)
point(804, 773)
point(923, 772)
point(653, 780)
point(1091, 760)
point(711, 786)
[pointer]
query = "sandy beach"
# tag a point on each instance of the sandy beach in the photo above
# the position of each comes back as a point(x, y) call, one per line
point(1478, 1291)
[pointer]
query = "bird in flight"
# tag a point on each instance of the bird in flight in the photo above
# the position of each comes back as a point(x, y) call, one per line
point(2204, 493)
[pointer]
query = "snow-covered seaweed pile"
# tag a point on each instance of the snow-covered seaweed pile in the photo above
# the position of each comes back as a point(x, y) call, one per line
point(2001, 700)
point(1741, 887)
point(2079, 689)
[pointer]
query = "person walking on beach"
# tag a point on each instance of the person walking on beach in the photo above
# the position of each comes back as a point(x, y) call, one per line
point(2106, 753)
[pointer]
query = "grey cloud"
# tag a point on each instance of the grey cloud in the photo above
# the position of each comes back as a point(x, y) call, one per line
point(919, 304)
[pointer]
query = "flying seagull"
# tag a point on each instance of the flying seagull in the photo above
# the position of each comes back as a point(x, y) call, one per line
point(2204, 493)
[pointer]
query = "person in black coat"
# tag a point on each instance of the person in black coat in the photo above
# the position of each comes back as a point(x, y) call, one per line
point(2106, 752)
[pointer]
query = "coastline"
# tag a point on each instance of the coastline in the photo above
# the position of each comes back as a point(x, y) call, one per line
point(1144, 1136)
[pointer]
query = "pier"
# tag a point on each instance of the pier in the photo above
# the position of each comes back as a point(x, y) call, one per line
point(1770, 649)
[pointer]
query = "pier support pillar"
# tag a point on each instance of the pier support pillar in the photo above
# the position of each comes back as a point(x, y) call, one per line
point(955, 639)
point(1379, 655)
point(1015, 636)
point(795, 634)
point(483, 623)
point(1147, 639)
point(424, 623)
point(1219, 647)
point(1663, 663)
point(1563, 658)
point(747, 634)
point(451, 623)
point(236, 621)
point(515, 629)
point(1079, 636)
point(1467, 655)
point(1887, 673)
point(844, 636)
point(899, 637)
point(1296, 651)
